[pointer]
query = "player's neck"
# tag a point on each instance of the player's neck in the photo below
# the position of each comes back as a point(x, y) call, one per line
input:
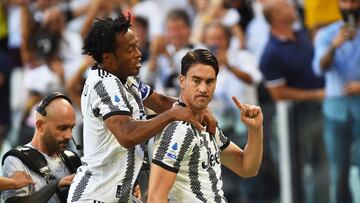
point(198, 113)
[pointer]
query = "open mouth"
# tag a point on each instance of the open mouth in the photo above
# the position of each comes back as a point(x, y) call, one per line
point(138, 65)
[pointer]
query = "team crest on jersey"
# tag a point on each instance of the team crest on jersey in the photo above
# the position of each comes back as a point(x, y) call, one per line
point(172, 153)
point(116, 99)
point(175, 146)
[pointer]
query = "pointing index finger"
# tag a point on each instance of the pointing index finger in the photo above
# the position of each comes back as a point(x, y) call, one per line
point(238, 103)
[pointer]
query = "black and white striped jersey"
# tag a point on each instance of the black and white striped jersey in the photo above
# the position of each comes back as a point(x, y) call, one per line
point(109, 170)
point(195, 157)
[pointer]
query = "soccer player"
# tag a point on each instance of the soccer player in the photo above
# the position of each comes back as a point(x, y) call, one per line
point(113, 108)
point(186, 164)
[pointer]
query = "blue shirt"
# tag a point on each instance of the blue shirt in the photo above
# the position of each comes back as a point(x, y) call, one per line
point(346, 60)
point(288, 63)
point(345, 68)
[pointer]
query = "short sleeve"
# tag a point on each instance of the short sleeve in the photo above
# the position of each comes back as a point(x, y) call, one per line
point(173, 145)
point(221, 141)
point(12, 164)
point(271, 68)
point(109, 98)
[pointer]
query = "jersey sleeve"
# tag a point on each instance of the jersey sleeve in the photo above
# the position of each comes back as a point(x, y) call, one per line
point(145, 90)
point(221, 141)
point(109, 98)
point(12, 164)
point(173, 145)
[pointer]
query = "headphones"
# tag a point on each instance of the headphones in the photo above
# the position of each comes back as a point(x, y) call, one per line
point(46, 101)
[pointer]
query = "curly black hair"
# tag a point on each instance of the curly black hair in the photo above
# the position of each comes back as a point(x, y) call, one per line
point(102, 36)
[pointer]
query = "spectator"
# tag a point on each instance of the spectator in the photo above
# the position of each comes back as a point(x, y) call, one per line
point(337, 55)
point(286, 66)
point(238, 75)
point(166, 52)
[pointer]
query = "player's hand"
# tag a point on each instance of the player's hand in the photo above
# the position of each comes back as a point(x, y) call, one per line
point(250, 115)
point(66, 181)
point(21, 179)
point(209, 121)
point(185, 114)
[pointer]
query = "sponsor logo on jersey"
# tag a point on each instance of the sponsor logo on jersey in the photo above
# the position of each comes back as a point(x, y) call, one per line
point(171, 156)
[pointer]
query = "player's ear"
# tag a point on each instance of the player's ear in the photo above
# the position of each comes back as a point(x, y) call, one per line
point(108, 58)
point(182, 81)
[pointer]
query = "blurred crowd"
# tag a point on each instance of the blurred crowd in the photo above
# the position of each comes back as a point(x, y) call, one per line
point(268, 51)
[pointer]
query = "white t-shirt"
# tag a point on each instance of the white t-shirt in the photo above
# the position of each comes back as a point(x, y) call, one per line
point(12, 164)
point(109, 170)
point(228, 85)
point(195, 158)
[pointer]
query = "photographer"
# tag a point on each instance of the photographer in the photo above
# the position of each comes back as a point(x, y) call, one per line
point(337, 54)
point(55, 119)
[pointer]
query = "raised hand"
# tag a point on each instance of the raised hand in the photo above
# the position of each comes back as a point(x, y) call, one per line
point(250, 115)
point(344, 35)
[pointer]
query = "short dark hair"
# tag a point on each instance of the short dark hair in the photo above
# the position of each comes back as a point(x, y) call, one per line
point(102, 36)
point(199, 56)
point(178, 14)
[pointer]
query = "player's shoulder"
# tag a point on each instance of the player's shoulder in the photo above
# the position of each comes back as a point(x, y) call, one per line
point(179, 129)
point(101, 77)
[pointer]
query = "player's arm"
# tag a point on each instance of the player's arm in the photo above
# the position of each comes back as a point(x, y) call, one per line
point(161, 103)
point(130, 132)
point(158, 102)
point(246, 163)
point(160, 183)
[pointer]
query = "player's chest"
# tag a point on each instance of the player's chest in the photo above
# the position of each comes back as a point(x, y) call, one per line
point(209, 154)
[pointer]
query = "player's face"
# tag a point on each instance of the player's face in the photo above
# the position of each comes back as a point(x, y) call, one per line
point(198, 86)
point(127, 55)
point(58, 131)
